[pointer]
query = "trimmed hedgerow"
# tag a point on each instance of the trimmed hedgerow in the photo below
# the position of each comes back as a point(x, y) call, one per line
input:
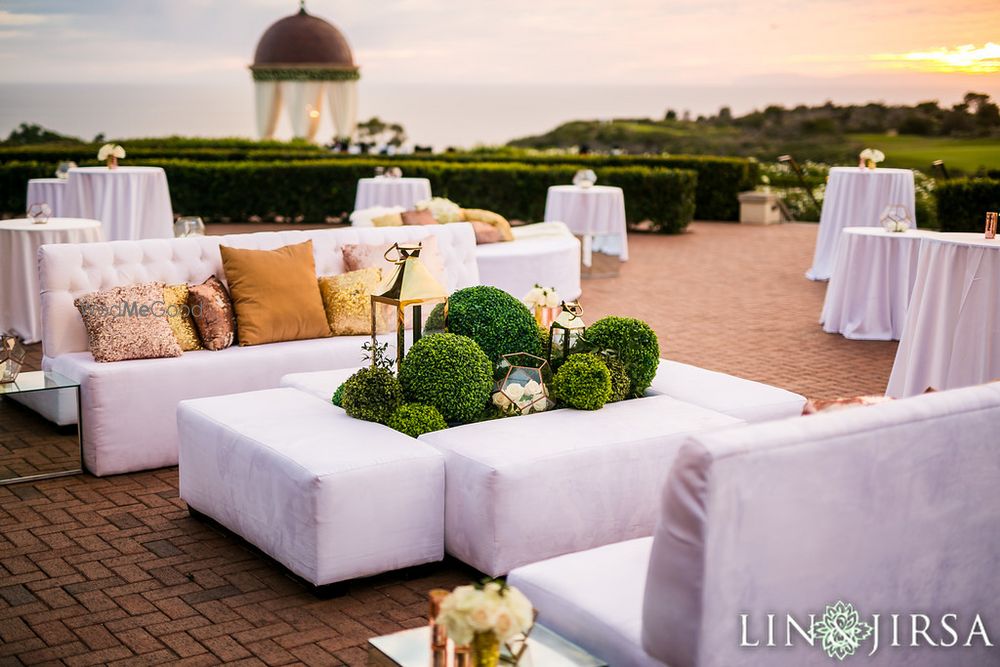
point(495, 320)
point(962, 203)
point(372, 394)
point(582, 382)
point(415, 419)
point(449, 372)
point(636, 345)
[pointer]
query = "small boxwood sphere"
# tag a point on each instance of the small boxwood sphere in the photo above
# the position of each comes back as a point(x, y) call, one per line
point(582, 382)
point(499, 323)
point(372, 394)
point(338, 396)
point(449, 372)
point(414, 419)
point(620, 382)
point(636, 345)
point(435, 322)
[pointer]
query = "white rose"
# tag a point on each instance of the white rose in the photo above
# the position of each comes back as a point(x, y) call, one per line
point(501, 401)
point(503, 626)
point(483, 615)
point(520, 608)
point(514, 391)
point(535, 297)
point(552, 299)
point(532, 387)
point(866, 154)
point(878, 155)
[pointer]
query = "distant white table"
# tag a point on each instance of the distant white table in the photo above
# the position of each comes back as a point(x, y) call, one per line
point(385, 191)
point(51, 191)
point(952, 333)
point(596, 213)
point(871, 283)
point(856, 197)
point(132, 202)
point(20, 300)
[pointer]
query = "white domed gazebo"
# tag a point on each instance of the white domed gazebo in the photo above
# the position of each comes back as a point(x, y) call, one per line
point(300, 60)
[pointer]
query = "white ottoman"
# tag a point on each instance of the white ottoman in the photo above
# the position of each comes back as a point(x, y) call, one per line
point(529, 488)
point(545, 253)
point(330, 497)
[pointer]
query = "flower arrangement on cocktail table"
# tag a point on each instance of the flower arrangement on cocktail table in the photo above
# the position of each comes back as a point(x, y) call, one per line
point(111, 153)
point(544, 302)
point(484, 616)
point(870, 157)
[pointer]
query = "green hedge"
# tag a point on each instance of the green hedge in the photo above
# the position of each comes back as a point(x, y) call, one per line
point(720, 179)
point(962, 203)
point(317, 189)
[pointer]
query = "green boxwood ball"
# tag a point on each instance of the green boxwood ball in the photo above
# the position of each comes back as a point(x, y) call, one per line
point(435, 322)
point(582, 382)
point(449, 372)
point(499, 323)
point(338, 396)
point(620, 382)
point(636, 345)
point(372, 394)
point(414, 419)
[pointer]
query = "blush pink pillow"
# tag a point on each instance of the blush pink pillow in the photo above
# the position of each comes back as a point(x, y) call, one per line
point(359, 256)
point(423, 217)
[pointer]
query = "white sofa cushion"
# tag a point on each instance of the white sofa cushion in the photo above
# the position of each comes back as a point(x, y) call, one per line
point(330, 497)
point(545, 253)
point(892, 507)
point(728, 394)
point(595, 598)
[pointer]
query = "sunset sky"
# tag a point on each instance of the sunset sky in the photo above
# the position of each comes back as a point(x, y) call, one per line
point(518, 41)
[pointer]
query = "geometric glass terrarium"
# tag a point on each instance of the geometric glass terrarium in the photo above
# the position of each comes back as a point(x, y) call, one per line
point(566, 333)
point(895, 218)
point(522, 384)
point(12, 355)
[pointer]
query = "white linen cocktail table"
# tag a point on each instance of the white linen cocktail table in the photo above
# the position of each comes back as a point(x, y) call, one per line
point(132, 202)
point(952, 333)
point(20, 300)
point(386, 191)
point(597, 214)
point(856, 197)
point(51, 191)
point(871, 283)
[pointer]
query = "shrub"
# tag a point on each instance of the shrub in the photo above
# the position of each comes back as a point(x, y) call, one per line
point(435, 322)
point(372, 394)
point(338, 396)
point(582, 382)
point(636, 345)
point(495, 320)
point(414, 419)
point(962, 203)
point(449, 372)
point(620, 382)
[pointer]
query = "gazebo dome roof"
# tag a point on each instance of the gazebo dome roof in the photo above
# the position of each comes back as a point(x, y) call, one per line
point(303, 40)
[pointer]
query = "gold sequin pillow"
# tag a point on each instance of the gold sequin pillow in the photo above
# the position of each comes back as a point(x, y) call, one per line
point(127, 322)
point(347, 301)
point(175, 302)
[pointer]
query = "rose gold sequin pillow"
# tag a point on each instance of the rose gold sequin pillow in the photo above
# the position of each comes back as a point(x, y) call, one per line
point(212, 311)
point(128, 322)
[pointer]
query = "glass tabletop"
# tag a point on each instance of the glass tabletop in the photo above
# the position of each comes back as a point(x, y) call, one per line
point(30, 381)
point(411, 648)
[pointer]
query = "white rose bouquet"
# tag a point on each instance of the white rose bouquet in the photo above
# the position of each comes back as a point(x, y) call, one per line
point(443, 209)
point(111, 153)
point(869, 157)
point(541, 297)
point(493, 608)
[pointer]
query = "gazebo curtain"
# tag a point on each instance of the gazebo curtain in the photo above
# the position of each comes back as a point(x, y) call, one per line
point(342, 97)
point(268, 95)
point(302, 98)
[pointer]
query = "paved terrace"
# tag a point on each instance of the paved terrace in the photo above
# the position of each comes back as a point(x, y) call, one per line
point(114, 571)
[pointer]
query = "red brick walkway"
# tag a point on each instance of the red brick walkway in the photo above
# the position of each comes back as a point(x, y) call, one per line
point(114, 571)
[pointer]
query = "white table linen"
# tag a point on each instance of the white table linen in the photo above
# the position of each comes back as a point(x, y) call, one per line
point(20, 301)
point(132, 202)
point(51, 191)
point(856, 197)
point(952, 333)
point(871, 283)
point(384, 191)
point(596, 213)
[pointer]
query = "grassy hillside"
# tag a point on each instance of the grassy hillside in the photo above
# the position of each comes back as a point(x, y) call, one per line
point(913, 152)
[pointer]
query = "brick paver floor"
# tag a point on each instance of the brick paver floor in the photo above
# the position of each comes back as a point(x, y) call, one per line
point(114, 571)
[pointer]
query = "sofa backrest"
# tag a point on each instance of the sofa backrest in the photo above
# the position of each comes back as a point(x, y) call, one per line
point(67, 271)
point(893, 508)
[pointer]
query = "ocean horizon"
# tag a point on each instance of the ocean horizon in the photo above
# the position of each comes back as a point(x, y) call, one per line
point(439, 115)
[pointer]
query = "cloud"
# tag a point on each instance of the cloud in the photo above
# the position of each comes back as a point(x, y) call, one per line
point(10, 18)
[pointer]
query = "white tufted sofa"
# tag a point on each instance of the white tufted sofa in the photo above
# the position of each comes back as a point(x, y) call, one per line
point(129, 407)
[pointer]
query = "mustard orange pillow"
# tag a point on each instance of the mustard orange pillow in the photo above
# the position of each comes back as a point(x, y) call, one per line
point(275, 294)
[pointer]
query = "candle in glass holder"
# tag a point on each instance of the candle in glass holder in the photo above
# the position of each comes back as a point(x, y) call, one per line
point(439, 634)
point(991, 225)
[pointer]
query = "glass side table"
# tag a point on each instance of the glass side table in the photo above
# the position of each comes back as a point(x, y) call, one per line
point(28, 383)
point(412, 648)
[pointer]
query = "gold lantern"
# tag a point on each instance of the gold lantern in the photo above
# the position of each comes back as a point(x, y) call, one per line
point(566, 332)
point(410, 285)
point(12, 355)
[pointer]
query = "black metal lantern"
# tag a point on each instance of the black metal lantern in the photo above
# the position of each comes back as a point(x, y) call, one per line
point(566, 332)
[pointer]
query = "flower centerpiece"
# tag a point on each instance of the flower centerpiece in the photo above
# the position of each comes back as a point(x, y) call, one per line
point(483, 616)
point(111, 153)
point(544, 302)
point(442, 208)
point(870, 157)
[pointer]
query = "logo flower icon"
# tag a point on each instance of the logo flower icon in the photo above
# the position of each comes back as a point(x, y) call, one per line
point(841, 631)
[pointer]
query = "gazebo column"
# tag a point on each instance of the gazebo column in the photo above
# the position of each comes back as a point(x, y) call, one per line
point(342, 96)
point(268, 103)
point(305, 104)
